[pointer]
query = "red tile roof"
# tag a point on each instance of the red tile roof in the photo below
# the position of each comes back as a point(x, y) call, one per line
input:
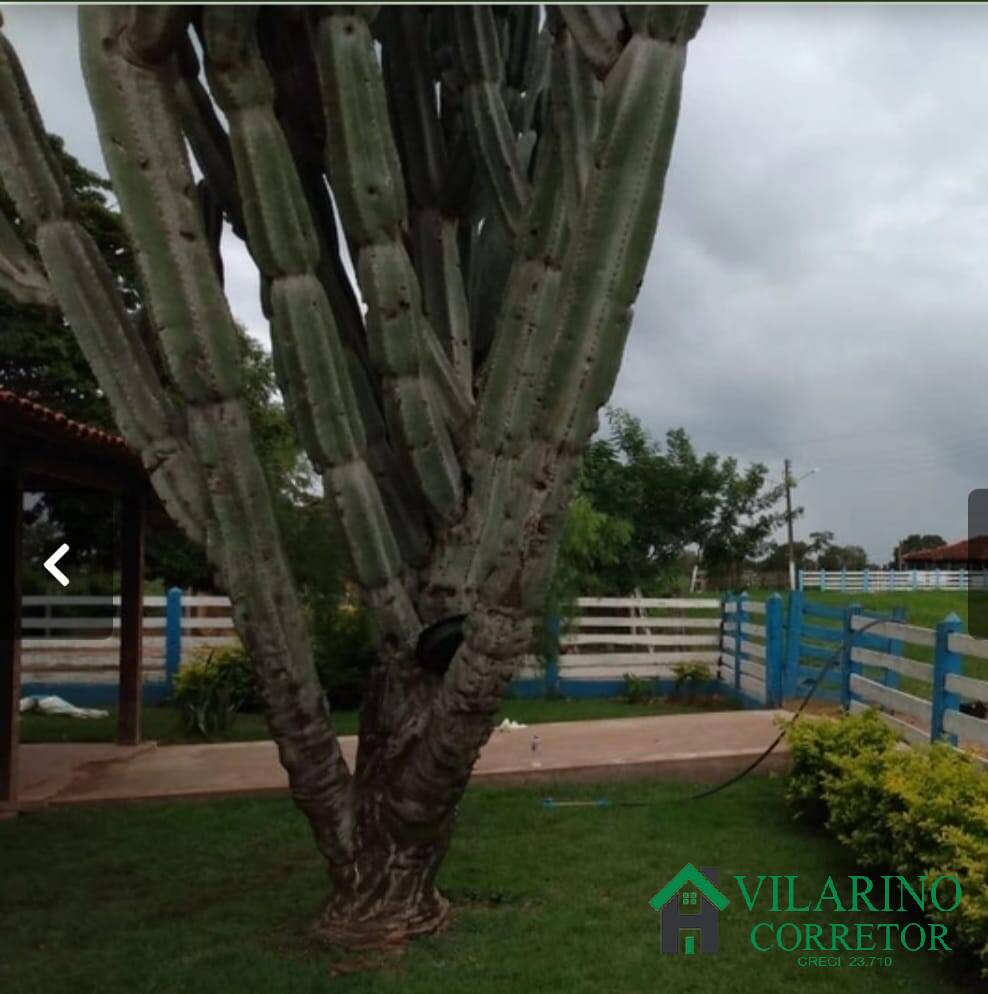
point(966, 549)
point(29, 418)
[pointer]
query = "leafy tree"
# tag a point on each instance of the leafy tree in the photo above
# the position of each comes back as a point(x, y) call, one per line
point(496, 176)
point(849, 557)
point(593, 542)
point(820, 552)
point(776, 559)
point(915, 543)
point(674, 498)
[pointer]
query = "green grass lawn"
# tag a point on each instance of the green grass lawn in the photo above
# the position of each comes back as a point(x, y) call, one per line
point(217, 897)
point(164, 723)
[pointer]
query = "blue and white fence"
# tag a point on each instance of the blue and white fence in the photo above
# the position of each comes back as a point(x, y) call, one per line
point(610, 639)
point(86, 670)
point(752, 649)
point(880, 580)
point(941, 716)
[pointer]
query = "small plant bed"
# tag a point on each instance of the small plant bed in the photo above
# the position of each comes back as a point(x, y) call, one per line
point(918, 812)
point(218, 896)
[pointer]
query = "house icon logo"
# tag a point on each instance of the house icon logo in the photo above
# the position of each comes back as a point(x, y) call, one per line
point(689, 905)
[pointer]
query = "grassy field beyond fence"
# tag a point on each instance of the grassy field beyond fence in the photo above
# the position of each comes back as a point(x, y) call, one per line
point(924, 608)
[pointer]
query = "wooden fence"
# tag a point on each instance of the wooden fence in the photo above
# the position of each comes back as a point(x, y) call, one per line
point(945, 711)
point(752, 649)
point(57, 658)
point(611, 639)
point(928, 683)
point(875, 581)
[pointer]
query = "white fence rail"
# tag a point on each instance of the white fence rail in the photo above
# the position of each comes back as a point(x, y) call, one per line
point(169, 634)
point(611, 638)
point(874, 581)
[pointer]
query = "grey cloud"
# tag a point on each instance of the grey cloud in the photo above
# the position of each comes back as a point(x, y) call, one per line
point(818, 284)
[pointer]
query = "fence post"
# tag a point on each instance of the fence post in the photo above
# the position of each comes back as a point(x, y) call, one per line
point(893, 678)
point(173, 636)
point(773, 651)
point(799, 580)
point(867, 581)
point(847, 666)
point(823, 579)
point(843, 579)
point(738, 635)
point(944, 661)
point(793, 634)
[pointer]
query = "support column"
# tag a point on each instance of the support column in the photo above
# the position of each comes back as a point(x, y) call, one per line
point(131, 619)
point(11, 505)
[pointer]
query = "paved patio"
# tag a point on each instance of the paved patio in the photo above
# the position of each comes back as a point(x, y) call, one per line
point(697, 747)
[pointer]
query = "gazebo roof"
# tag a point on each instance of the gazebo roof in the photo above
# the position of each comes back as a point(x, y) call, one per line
point(51, 447)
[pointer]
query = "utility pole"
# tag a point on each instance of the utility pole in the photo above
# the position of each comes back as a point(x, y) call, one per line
point(792, 548)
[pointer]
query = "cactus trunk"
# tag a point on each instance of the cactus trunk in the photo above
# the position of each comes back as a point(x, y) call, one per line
point(451, 210)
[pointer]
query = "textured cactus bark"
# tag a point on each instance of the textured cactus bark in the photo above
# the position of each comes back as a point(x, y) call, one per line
point(451, 210)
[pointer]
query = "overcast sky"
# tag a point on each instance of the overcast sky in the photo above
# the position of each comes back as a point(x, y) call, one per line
point(819, 285)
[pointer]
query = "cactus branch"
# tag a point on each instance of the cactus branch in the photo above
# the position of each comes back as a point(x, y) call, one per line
point(364, 168)
point(20, 276)
point(86, 292)
point(144, 150)
point(286, 246)
point(488, 124)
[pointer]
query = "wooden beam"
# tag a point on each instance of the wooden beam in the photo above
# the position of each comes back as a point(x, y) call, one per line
point(11, 504)
point(131, 619)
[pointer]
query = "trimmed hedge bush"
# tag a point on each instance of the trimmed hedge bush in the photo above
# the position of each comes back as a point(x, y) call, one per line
point(916, 812)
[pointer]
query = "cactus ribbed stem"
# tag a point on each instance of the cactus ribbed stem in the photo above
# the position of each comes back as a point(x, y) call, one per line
point(286, 246)
point(143, 146)
point(363, 165)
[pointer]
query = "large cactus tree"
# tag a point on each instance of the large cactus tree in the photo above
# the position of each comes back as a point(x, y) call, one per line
point(451, 209)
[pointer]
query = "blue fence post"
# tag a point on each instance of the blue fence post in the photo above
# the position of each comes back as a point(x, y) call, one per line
point(799, 580)
point(738, 635)
point(847, 665)
point(914, 579)
point(893, 678)
point(867, 581)
point(773, 651)
point(551, 688)
point(794, 629)
point(944, 661)
point(173, 636)
point(823, 579)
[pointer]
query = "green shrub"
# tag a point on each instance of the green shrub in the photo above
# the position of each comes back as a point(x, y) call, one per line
point(637, 690)
point(688, 678)
point(816, 748)
point(916, 812)
point(343, 648)
point(213, 687)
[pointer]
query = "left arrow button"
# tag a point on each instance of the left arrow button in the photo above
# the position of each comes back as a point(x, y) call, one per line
point(50, 564)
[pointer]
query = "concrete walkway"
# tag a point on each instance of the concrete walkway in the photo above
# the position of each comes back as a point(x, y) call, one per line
point(705, 746)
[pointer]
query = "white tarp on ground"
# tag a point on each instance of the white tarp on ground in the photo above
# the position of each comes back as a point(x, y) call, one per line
point(58, 705)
